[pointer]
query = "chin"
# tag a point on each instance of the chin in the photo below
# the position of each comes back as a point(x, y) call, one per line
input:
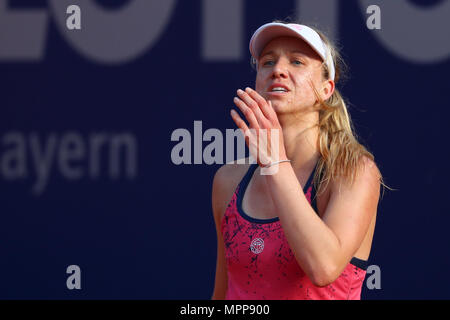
point(277, 105)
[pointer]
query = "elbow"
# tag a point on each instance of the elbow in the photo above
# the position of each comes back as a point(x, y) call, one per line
point(324, 276)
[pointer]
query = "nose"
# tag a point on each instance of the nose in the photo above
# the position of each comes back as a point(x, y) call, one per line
point(279, 70)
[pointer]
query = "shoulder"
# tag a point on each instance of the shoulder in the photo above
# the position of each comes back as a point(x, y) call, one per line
point(368, 173)
point(366, 182)
point(226, 179)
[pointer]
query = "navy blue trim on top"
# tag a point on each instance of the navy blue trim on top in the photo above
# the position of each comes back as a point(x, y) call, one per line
point(362, 264)
point(313, 194)
point(243, 186)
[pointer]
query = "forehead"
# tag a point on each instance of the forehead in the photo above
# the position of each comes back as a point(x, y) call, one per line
point(290, 44)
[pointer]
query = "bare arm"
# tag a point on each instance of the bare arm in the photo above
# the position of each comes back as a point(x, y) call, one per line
point(323, 247)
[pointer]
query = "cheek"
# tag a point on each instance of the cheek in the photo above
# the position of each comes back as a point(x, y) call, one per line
point(303, 85)
point(259, 85)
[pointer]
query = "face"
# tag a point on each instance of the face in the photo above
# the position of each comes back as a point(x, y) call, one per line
point(287, 67)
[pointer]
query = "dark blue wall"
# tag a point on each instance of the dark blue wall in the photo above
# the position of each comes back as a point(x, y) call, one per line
point(148, 233)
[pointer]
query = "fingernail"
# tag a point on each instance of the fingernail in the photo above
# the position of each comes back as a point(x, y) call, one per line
point(248, 89)
point(240, 91)
point(235, 99)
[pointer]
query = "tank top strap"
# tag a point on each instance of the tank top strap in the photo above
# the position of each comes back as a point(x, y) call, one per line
point(246, 180)
point(252, 168)
point(311, 184)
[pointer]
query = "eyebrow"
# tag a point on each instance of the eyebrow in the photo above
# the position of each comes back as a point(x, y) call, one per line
point(291, 51)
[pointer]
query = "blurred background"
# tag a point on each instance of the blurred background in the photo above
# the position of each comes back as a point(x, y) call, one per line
point(86, 121)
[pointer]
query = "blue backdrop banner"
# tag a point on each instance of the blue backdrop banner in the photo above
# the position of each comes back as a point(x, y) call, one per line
point(96, 95)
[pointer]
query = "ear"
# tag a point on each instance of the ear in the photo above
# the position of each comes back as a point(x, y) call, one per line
point(327, 89)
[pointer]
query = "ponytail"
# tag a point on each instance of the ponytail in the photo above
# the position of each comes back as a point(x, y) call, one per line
point(341, 153)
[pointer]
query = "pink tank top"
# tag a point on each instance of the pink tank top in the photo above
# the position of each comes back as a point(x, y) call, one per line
point(261, 265)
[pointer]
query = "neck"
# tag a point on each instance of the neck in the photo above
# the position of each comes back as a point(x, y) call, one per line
point(300, 134)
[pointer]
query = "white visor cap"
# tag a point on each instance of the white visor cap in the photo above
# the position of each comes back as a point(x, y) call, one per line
point(273, 30)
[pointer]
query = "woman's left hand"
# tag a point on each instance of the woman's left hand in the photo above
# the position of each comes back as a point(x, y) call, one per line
point(264, 124)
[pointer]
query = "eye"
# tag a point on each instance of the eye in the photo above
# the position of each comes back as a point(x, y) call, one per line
point(268, 63)
point(297, 62)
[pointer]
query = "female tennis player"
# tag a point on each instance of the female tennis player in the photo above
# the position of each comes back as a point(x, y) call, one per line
point(305, 231)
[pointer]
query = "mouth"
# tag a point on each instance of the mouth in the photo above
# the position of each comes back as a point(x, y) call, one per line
point(277, 89)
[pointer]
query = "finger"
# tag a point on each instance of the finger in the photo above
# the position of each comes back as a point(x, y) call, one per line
point(263, 103)
point(238, 120)
point(241, 125)
point(247, 112)
point(253, 105)
point(272, 111)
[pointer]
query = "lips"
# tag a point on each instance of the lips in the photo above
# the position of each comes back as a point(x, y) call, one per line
point(278, 88)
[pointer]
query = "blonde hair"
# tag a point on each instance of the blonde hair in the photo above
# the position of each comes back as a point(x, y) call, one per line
point(341, 154)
